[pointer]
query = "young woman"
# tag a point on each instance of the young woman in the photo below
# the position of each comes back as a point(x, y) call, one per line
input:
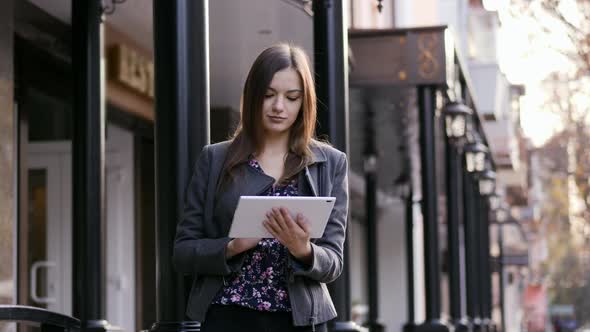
point(279, 283)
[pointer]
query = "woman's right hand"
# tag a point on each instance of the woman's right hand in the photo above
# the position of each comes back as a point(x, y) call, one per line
point(237, 246)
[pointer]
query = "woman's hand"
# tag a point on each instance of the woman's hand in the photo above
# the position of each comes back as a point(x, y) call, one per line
point(237, 246)
point(293, 234)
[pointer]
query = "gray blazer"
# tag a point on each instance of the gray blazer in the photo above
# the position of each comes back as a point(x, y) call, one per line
point(201, 235)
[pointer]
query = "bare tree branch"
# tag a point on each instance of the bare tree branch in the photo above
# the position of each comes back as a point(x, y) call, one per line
point(577, 33)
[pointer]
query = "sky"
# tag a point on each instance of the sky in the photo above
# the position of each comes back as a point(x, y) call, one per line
point(527, 56)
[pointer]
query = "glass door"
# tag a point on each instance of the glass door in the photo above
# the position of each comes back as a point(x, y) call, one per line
point(49, 245)
point(49, 259)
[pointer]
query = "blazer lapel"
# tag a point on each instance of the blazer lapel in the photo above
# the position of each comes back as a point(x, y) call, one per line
point(247, 182)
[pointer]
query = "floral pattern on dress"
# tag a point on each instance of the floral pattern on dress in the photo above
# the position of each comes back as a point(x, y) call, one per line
point(261, 283)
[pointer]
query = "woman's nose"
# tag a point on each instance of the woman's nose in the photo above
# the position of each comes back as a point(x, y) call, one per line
point(279, 104)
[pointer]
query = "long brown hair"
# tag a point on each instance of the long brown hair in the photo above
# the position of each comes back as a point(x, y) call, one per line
point(248, 137)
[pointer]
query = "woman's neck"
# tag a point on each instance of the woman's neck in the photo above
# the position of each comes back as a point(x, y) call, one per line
point(275, 145)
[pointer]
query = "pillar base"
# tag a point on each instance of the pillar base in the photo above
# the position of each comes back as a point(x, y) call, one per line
point(493, 327)
point(478, 325)
point(375, 326)
point(346, 327)
point(99, 325)
point(409, 327)
point(184, 326)
point(435, 325)
point(462, 325)
point(488, 325)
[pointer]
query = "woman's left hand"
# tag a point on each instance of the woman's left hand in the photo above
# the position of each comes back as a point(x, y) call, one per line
point(293, 234)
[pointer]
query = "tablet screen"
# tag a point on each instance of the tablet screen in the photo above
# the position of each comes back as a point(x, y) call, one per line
point(251, 211)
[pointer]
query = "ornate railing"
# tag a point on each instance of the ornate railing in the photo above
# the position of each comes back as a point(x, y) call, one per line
point(48, 321)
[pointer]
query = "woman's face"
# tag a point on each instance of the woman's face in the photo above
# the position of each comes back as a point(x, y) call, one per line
point(282, 102)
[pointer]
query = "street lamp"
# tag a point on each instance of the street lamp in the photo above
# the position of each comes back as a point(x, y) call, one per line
point(501, 215)
point(495, 201)
point(487, 182)
point(456, 117)
point(475, 157)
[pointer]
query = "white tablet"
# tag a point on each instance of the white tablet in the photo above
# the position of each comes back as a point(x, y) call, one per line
point(251, 211)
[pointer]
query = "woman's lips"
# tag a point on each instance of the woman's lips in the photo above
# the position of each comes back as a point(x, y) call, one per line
point(276, 118)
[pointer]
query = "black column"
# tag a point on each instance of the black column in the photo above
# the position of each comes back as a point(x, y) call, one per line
point(372, 255)
point(485, 270)
point(12, 150)
point(410, 325)
point(454, 171)
point(372, 238)
point(471, 257)
point(331, 69)
point(87, 165)
point(182, 129)
point(426, 110)
point(501, 274)
point(479, 259)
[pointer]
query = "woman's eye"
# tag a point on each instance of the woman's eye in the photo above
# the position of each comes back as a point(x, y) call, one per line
point(293, 98)
point(268, 95)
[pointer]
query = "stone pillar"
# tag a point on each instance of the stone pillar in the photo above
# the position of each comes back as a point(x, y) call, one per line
point(8, 152)
point(331, 69)
point(428, 160)
point(181, 45)
point(88, 155)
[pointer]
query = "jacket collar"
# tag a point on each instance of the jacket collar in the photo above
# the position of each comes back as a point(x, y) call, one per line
point(318, 154)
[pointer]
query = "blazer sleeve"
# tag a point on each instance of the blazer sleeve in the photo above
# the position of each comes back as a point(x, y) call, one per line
point(195, 253)
point(327, 257)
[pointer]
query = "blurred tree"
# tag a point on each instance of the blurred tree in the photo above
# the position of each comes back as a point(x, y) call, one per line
point(566, 269)
point(565, 216)
point(563, 26)
point(567, 18)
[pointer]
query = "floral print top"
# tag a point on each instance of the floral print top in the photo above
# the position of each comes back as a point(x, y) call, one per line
point(261, 284)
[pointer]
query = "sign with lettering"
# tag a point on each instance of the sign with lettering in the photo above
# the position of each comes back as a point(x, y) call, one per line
point(400, 56)
point(132, 69)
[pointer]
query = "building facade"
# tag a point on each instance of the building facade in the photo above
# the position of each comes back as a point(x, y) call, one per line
point(37, 128)
point(474, 26)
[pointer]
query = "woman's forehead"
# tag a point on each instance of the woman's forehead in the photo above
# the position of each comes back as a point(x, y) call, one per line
point(286, 80)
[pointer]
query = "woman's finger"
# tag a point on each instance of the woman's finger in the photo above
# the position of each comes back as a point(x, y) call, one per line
point(269, 227)
point(273, 220)
point(278, 217)
point(271, 224)
point(303, 223)
point(289, 222)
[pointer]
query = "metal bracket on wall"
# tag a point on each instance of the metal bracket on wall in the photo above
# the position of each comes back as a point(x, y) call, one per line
point(108, 7)
point(303, 5)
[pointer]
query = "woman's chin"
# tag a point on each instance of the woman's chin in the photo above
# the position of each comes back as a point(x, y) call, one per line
point(276, 131)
